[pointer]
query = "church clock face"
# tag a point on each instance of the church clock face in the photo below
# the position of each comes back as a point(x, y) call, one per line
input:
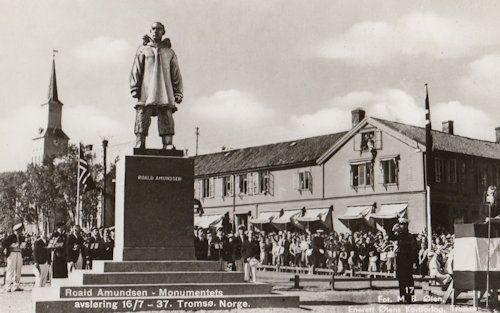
point(56, 142)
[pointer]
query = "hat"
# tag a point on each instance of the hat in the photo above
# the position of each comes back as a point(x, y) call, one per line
point(242, 227)
point(402, 220)
point(17, 226)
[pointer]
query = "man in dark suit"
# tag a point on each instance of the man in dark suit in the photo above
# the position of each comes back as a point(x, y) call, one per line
point(236, 247)
point(287, 237)
point(318, 249)
point(41, 255)
point(201, 246)
point(222, 245)
point(74, 248)
point(211, 251)
point(57, 243)
point(96, 245)
point(250, 254)
point(404, 258)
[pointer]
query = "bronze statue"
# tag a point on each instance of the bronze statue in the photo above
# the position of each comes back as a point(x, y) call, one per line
point(156, 83)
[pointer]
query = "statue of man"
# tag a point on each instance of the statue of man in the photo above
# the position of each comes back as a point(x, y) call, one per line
point(156, 83)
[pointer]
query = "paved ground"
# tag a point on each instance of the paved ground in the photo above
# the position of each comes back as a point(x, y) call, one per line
point(314, 297)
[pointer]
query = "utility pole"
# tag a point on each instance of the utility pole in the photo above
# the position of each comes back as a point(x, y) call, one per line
point(104, 166)
point(197, 133)
point(77, 211)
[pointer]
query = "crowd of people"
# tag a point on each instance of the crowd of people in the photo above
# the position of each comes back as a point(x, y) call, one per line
point(55, 255)
point(345, 253)
point(243, 250)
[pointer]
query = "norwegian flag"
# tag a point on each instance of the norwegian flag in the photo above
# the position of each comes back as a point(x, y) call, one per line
point(428, 140)
point(84, 177)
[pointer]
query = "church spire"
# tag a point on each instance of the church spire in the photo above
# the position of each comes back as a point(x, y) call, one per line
point(53, 83)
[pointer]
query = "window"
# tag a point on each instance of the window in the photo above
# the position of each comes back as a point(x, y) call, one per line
point(438, 170)
point(389, 171)
point(264, 182)
point(302, 180)
point(227, 186)
point(242, 219)
point(368, 140)
point(243, 183)
point(254, 183)
point(498, 177)
point(305, 180)
point(452, 171)
point(446, 171)
point(207, 187)
point(361, 174)
point(483, 176)
point(463, 172)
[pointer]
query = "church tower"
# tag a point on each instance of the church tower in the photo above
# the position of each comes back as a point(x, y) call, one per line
point(51, 141)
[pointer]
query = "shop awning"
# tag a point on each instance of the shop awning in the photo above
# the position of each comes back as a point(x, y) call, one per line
point(286, 217)
point(388, 211)
point(206, 221)
point(312, 215)
point(356, 212)
point(265, 217)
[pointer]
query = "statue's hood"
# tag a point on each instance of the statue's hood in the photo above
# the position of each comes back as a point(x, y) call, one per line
point(148, 41)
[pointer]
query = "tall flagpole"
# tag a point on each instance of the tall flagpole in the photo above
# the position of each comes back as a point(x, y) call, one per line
point(429, 166)
point(77, 215)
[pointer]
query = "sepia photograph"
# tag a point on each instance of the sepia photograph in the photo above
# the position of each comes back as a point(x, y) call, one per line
point(250, 156)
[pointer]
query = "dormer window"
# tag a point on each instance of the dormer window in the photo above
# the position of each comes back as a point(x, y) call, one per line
point(368, 140)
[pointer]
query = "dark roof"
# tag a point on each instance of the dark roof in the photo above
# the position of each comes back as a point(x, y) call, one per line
point(277, 155)
point(447, 142)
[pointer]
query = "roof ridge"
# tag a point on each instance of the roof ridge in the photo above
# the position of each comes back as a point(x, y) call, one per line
point(435, 130)
point(274, 143)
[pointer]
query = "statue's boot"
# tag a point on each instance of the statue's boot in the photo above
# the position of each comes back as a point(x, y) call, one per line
point(140, 141)
point(167, 142)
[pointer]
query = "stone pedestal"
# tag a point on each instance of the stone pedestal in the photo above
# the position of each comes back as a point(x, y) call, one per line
point(154, 206)
point(154, 267)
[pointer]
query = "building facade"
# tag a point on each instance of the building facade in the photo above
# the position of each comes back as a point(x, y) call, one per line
point(366, 177)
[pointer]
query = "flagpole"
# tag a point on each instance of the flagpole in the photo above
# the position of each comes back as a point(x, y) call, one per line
point(429, 176)
point(77, 215)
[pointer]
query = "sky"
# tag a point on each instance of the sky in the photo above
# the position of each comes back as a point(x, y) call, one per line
point(254, 72)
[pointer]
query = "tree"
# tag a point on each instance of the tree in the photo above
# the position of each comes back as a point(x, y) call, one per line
point(45, 194)
point(12, 208)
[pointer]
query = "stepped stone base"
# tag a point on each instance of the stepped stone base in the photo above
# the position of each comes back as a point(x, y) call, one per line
point(141, 286)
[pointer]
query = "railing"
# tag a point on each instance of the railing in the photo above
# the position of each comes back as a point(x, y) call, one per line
point(327, 275)
point(321, 271)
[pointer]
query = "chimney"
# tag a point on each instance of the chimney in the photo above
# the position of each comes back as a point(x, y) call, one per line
point(497, 132)
point(448, 127)
point(357, 116)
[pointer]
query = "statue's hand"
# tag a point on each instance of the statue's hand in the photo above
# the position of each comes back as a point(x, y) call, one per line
point(178, 99)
